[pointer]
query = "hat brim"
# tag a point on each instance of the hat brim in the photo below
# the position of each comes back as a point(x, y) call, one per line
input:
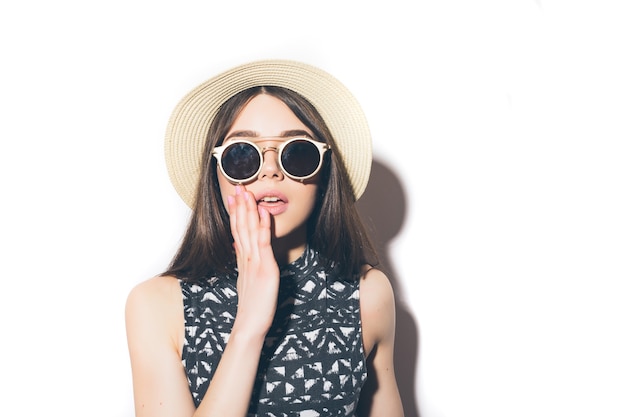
point(189, 123)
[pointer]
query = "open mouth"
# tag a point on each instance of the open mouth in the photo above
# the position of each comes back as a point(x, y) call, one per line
point(270, 200)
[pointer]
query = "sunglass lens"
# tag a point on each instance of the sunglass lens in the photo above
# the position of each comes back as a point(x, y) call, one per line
point(240, 161)
point(300, 158)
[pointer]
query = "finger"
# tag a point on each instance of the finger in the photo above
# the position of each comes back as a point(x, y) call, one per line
point(232, 210)
point(252, 220)
point(238, 222)
point(265, 224)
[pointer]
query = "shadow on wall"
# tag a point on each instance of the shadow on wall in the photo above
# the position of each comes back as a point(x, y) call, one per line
point(383, 209)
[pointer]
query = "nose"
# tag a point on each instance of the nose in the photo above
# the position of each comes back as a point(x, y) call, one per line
point(271, 167)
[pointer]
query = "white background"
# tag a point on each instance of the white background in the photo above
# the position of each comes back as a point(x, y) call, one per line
point(499, 132)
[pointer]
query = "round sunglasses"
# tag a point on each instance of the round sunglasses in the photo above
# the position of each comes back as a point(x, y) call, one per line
point(241, 160)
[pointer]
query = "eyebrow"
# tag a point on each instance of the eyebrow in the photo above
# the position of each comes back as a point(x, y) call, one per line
point(254, 134)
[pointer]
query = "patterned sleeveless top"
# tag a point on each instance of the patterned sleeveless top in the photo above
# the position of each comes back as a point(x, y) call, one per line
point(312, 363)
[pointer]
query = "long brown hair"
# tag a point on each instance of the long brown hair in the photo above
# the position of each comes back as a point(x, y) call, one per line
point(334, 228)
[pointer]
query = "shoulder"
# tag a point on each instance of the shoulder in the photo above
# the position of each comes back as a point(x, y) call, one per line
point(376, 291)
point(155, 292)
point(154, 308)
point(155, 336)
point(377, 307)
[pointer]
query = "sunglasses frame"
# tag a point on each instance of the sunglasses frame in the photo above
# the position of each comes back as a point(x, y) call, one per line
point(219, 150)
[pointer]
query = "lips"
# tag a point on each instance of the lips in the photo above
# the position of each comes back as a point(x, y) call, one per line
point(273, 201)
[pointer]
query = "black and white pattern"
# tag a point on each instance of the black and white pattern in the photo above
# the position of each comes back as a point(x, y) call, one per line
point(312, 364)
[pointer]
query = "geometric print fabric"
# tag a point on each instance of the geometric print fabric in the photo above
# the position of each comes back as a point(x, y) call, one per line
point(312, 363)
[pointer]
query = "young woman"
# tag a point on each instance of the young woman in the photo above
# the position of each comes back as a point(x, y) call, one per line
point(272, 305)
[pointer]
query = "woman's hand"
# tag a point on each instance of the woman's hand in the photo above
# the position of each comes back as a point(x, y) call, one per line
point(257, 286)
point(258, 280)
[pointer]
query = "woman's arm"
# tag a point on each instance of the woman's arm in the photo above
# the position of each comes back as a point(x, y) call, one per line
point(380, 396)
point(154, 330)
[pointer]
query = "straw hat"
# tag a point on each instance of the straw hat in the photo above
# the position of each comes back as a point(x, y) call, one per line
point(189, 123)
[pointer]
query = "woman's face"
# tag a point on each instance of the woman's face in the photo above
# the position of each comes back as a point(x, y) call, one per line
point(267, 121)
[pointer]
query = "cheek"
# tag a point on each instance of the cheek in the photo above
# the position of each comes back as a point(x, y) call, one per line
point(308, 198)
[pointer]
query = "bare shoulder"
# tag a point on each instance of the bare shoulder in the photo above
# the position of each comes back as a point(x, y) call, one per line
point(376, 292)
point(154, 307)
point(155, 335)
point(155, 292)
point(377, 308)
